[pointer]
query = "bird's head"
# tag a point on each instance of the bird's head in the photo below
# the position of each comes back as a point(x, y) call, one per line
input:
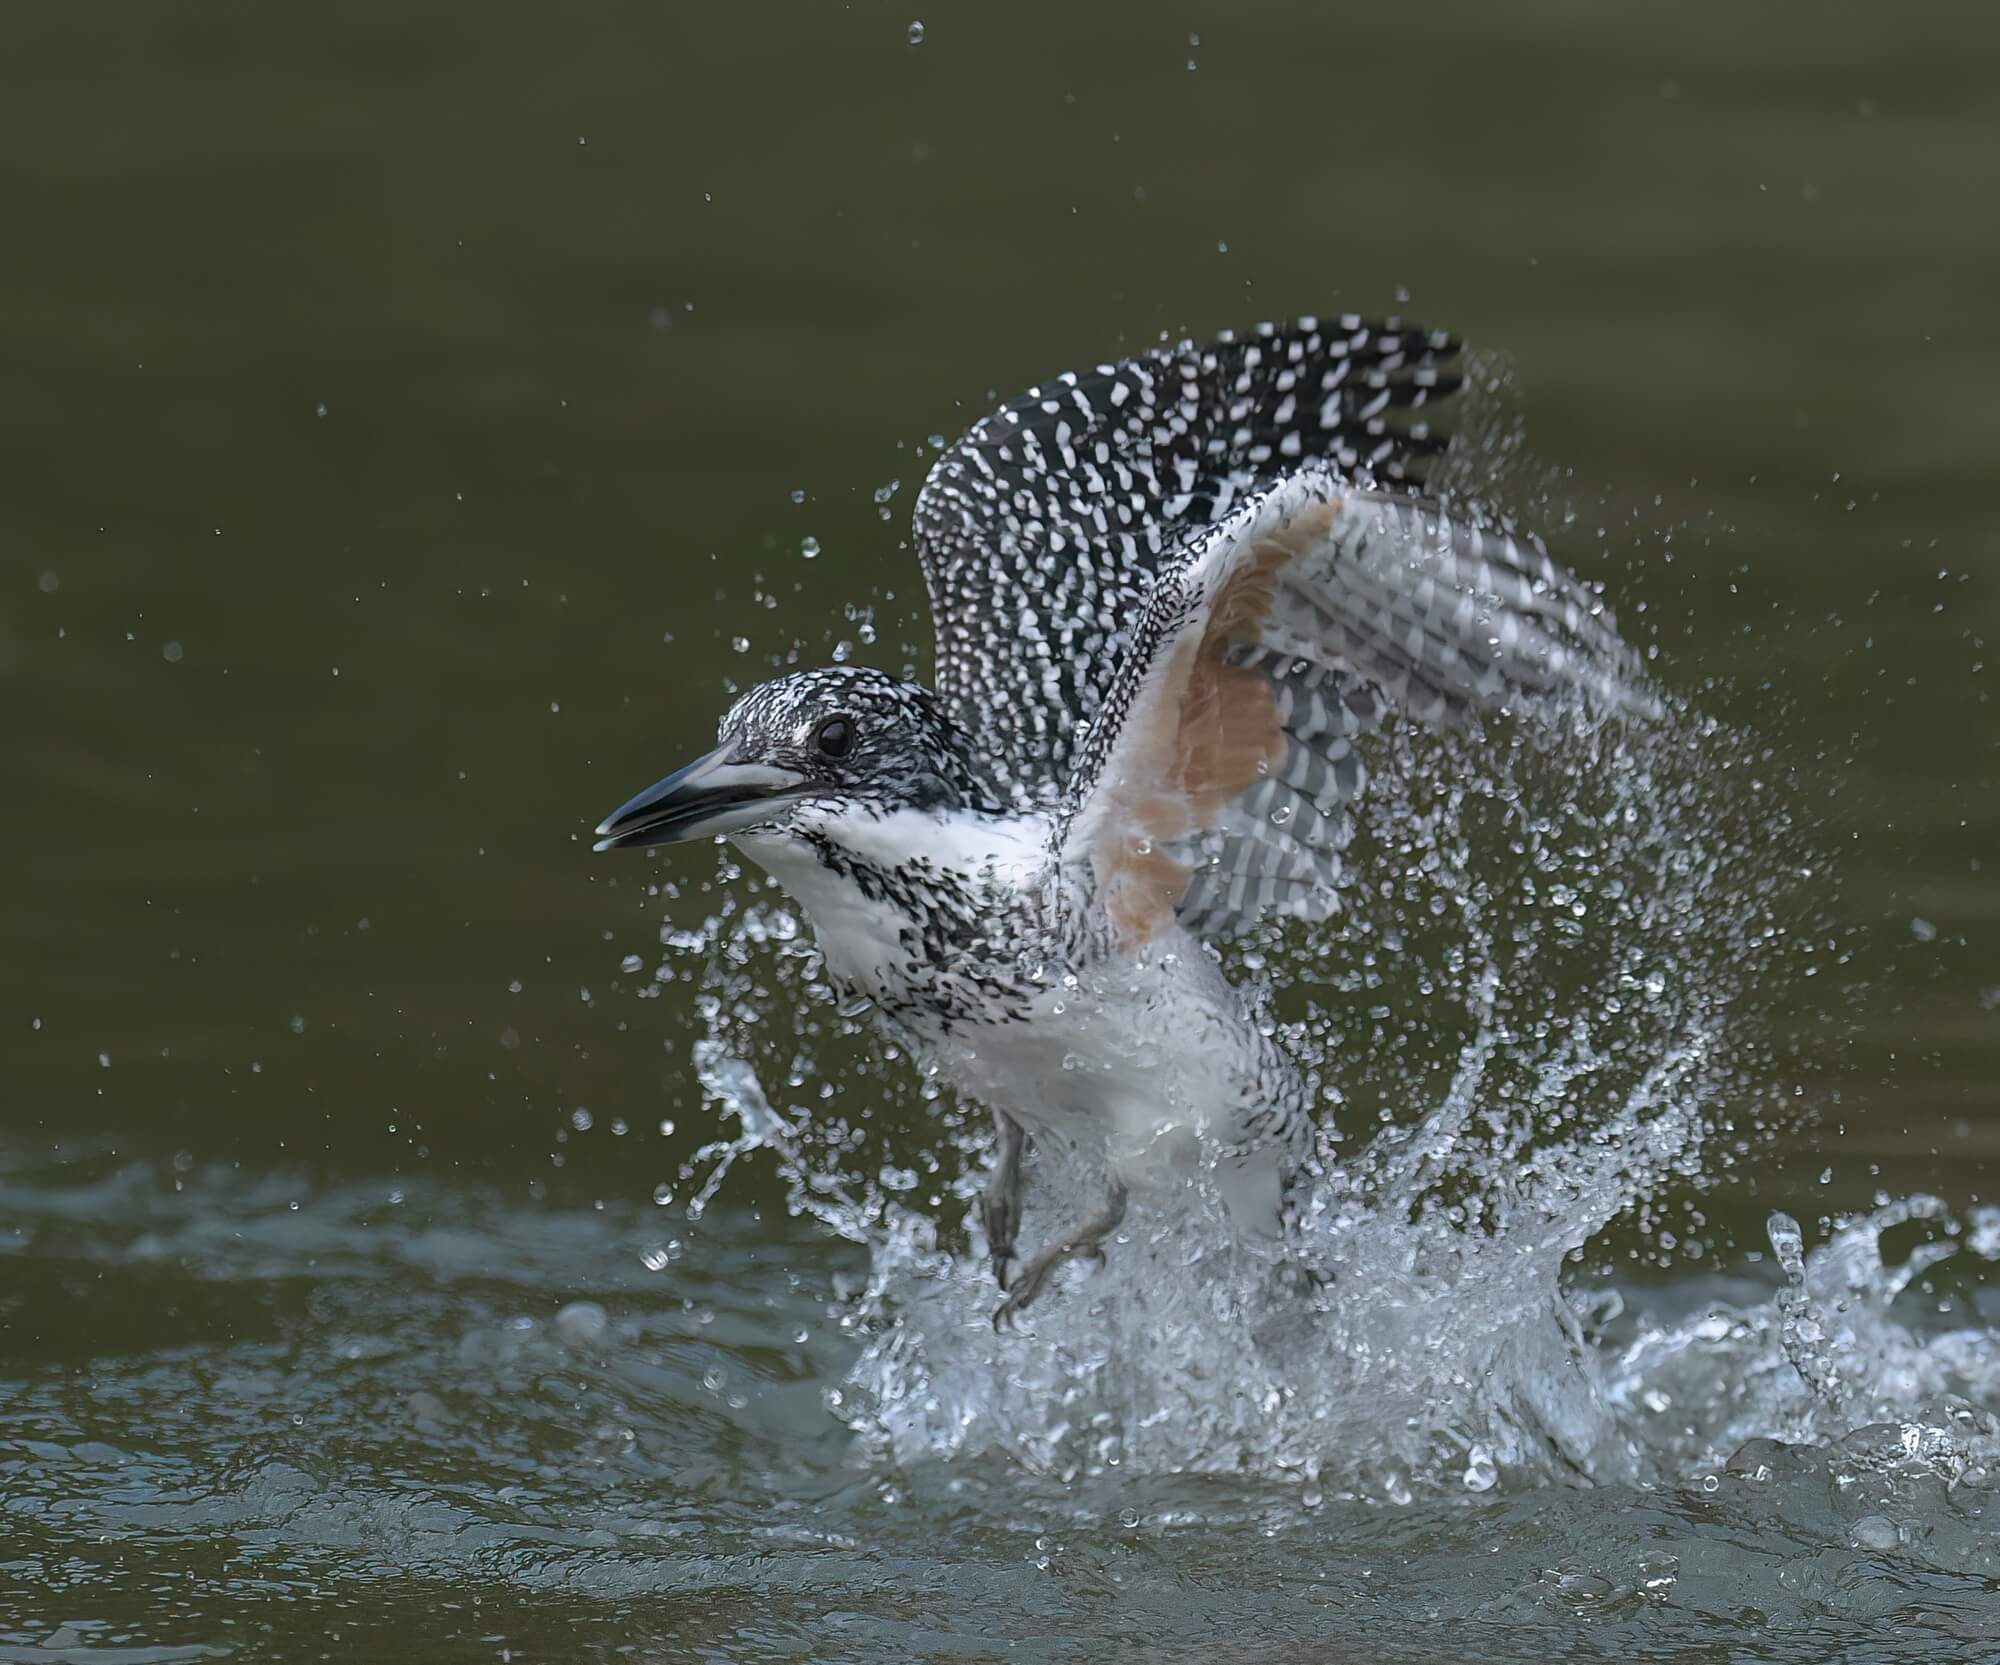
point(837, 740)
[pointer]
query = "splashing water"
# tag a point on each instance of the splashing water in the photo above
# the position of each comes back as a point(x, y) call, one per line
point(1541, 1027)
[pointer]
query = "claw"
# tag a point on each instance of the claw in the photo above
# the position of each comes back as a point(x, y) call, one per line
point(1029, 1286)
point(1087, 1242)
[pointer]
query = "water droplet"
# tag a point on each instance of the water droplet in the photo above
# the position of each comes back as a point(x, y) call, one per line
point(582, 1321)
point(1480, 1471)
point(809, 549)
point(580, 1119)
point(916, 32)
point(1923, 930)
point(1803, 1333)
point(171, 652)
point(1788, 1243)
point(1876, 1532)
point(631, 963)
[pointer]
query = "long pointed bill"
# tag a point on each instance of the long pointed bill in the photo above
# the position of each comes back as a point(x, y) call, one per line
point(713, 794)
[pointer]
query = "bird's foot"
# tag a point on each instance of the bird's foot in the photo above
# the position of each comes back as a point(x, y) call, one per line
point(1036, 1273)
point(1001, 1211)
point(1085, 1243)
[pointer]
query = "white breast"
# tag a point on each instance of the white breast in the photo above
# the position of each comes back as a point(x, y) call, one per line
point(1140, 1060)
point(1136, 1059)
point(1004, 862)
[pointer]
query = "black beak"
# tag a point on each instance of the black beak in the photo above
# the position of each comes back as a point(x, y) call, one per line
point(713, 794)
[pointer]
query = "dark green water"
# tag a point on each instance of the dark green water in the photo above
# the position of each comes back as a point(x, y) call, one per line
point(403, 412)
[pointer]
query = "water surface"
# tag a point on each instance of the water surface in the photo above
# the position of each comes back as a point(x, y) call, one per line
point(414, 424)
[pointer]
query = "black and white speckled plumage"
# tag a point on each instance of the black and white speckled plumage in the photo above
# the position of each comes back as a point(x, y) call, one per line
point(1039, 531)
point(1170, 595)
point(961, 959)
point(908, 753)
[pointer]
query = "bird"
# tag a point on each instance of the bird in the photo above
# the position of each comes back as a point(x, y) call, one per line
point(1171, 596)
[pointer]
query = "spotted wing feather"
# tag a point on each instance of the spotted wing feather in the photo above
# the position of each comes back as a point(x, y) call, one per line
point(1214, 785)
point(1040, 531)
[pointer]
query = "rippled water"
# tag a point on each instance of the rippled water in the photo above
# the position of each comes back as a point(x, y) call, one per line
point(1528, 1417)
point(447, 1419)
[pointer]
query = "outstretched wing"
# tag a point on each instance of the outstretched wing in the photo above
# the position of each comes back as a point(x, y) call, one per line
point(1213, 785)
point(1041, 529)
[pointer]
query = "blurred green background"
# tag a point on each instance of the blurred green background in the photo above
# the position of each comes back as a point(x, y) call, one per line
point(402, 409)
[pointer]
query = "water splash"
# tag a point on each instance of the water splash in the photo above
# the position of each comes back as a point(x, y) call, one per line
point(811, 1191)
point(1862, 1342)
point(1801, 1326)
point(1543, 1024)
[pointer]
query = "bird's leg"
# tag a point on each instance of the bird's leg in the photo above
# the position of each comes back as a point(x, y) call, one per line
point(1087, 1241)
point(1297, 1276)
point(1001, 1207)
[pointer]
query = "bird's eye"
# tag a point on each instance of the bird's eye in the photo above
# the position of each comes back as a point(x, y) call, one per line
point(834, 737)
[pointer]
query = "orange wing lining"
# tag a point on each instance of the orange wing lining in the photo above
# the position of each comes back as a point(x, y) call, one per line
point(1212, 733)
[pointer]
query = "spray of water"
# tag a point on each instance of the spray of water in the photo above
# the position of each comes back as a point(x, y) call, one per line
point(1542, 1026)
point(1574, 986)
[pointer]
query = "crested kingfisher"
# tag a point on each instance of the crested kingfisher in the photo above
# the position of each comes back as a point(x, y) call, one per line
point(1171, 595)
